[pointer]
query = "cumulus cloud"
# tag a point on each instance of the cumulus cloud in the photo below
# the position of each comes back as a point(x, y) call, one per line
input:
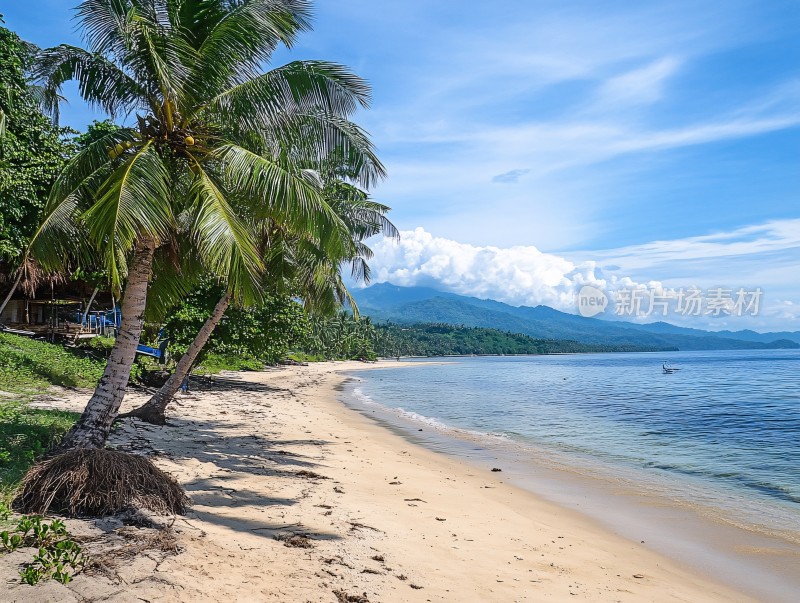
point(521, 275)
point(525, 275)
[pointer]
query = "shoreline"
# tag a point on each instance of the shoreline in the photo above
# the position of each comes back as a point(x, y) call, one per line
point(275, 454)
point(683, 525)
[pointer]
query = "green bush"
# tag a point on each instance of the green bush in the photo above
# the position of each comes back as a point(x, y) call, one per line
point(215, 363)
point(260, 335)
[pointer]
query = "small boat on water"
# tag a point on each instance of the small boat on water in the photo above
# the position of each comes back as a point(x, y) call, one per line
point(668, 370)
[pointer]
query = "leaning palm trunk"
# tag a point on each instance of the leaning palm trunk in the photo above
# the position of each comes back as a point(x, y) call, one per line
point(154, 411)
point(94, 425)
point(11, 293)
point(216, 141)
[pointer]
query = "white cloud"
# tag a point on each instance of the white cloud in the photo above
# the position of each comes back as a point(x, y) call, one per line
point(520, 275)
point(524, 275)
point(644, 85)
point(734, 249)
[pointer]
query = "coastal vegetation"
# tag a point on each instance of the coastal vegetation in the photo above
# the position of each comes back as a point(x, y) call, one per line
point(447, 339)
point(25, 434)
point(220, 150)
point(220, 174)
point(33, 150)
point(29, 366)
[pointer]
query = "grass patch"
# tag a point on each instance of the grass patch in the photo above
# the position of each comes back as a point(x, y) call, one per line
point(29, 366)
point(304, 357)
point(25, 433)
point(216, 363)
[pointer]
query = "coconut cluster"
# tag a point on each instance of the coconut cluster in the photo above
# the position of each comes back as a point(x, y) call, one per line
point(119, 148)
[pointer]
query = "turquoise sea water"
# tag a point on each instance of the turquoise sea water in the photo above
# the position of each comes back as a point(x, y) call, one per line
point(725, 428)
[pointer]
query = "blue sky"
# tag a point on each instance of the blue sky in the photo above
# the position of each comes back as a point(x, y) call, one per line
point(647, 141)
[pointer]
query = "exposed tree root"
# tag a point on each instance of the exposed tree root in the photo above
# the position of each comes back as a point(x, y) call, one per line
point(96, 483)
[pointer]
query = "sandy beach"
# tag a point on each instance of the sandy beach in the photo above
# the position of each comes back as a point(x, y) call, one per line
point(296, 498)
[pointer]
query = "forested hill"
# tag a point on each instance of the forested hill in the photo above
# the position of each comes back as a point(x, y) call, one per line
point(416, 305)
point(443, 340)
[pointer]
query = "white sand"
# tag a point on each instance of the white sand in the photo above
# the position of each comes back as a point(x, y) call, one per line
point(390, 517)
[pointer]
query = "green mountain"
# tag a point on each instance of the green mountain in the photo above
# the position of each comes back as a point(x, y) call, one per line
point(418, 305)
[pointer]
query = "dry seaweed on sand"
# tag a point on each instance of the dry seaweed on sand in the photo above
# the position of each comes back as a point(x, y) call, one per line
point(343, 597)
point(109, 551)
point(310, 474)
point(97, 482)
point(298, 541)
point(338, 561)
point(355, 525)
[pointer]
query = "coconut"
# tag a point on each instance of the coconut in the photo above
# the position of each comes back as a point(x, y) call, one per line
point(189, 141)
point(119, 149)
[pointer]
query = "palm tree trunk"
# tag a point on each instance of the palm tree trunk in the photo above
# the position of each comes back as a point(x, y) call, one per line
point(94, 425)
point(10, 293)
point(91, 301)
point(154, 411)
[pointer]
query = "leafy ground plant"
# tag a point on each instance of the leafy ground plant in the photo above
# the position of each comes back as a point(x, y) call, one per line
point(59, 556)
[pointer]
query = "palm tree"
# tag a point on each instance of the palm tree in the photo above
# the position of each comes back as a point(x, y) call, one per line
point(212, 134)
point(309, 266)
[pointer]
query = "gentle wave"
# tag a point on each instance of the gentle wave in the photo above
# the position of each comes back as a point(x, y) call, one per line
point(416, 418)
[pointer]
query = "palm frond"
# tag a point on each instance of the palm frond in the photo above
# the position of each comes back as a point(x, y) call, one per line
point(100, 82)
point(61, 237)
point(163, 58)
point(223, 239)
point(138, 37)
point(133, 203)
point(242, 38)
point(106, 25)
point(360, 270)
point(282, 193)
point(89, 166)
point(299, 87)
point(176, 271)
point(338, 146)
point(364, 217)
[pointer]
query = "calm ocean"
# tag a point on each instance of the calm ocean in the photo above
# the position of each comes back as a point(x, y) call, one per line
point(724, 431)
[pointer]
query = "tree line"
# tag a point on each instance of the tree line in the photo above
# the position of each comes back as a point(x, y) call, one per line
point(214, 175)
